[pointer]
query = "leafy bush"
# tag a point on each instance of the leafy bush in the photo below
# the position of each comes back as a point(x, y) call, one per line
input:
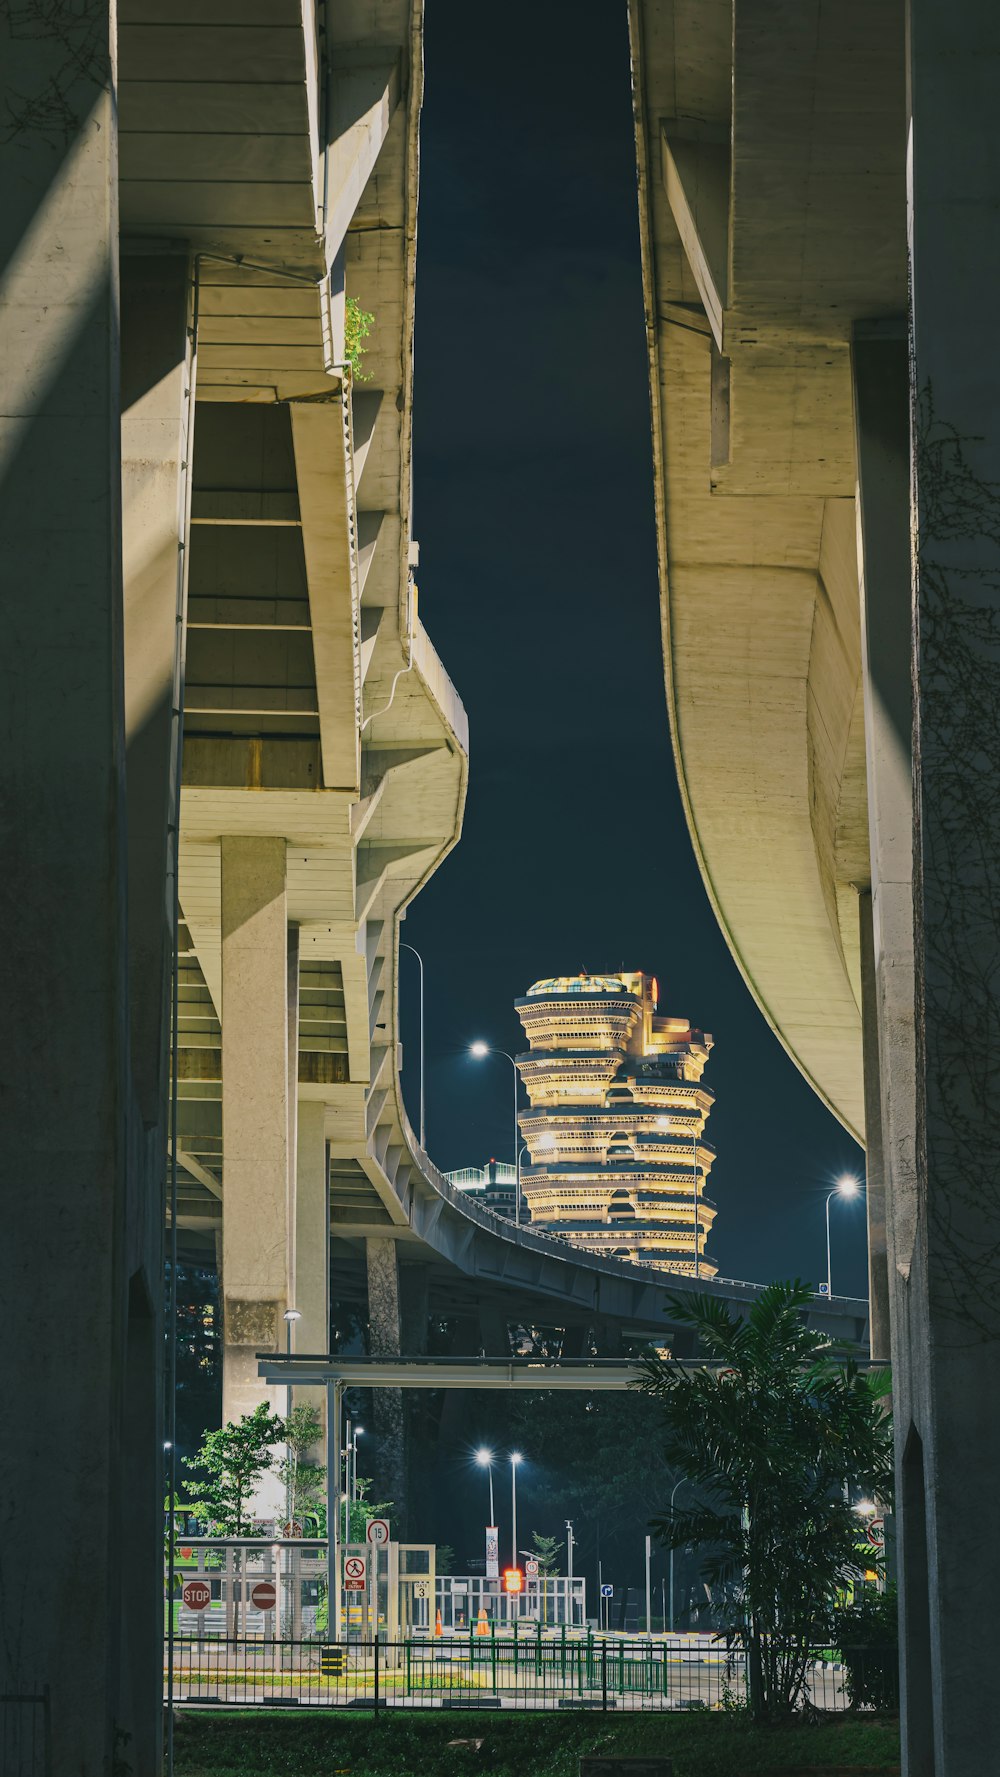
point(868, 1634)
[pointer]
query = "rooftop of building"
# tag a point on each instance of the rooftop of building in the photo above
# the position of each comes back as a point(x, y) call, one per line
point(582, 983)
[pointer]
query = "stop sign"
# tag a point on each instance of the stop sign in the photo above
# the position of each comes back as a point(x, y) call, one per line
point(196, 1594)
point(263, 1595)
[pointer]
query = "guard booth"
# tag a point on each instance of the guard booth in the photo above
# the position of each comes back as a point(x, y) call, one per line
point(388, 1591)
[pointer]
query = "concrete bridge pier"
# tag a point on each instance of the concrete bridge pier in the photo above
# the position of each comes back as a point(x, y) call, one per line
point(388, 1456)
point(929, 457)
point(158, 351)
point(258, 1248)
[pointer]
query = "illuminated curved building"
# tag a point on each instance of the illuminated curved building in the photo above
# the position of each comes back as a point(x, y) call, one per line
point(616, 1123)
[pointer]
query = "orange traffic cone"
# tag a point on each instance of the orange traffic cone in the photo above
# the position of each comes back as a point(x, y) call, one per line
point(437, 1624)
point(482, 1626)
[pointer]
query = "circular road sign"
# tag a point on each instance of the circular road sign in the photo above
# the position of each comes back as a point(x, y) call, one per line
point(531, 1569)
point(354, 1567)
point(875, 1531)
point(378, 1531)
point(196, 1594)
point(263, 1595)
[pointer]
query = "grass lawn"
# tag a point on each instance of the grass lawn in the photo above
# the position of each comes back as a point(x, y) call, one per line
point(409, 1744)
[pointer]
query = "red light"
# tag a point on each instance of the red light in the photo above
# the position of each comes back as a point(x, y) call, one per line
point(513, 1579)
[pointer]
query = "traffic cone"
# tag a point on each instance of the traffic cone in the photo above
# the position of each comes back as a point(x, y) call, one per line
point(482, 1626)
point(437, 1624)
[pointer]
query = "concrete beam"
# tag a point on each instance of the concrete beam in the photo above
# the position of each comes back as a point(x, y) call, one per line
point(321, 436)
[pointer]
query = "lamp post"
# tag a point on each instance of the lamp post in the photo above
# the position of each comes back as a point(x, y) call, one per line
point(515, 1458)
point(479, 1049)
point(485, 1460)
point(290, 1316)
point(420, 960)
point(845, 1187)
point(670, 1582)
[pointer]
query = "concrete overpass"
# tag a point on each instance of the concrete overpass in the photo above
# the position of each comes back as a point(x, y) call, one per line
point(818, 197)
point(226, 733)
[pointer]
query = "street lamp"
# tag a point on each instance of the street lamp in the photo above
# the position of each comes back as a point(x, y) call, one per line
point(677, 1484)
point(290, 1316)
point(515, 1458)
point(350, 1456)
point(416, 953)
point(845, 1187)
point(485, 1460)
point(479, 1049)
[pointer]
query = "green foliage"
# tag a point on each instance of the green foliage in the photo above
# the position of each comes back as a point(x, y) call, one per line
point(868, 1637)
point(771, 1439)
point(358, 323)
point(546, 1551)
point(363, 1510)
point(444, 1559)
point(414, 1743)
point(230, 1462)
point(304, 1480)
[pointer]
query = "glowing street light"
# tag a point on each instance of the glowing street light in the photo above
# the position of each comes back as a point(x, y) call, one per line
point(485, 1460)
point(478, 1050)
point(845, 1187)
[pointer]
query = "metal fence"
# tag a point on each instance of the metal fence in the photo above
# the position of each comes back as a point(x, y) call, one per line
point(496, 1672)
point(25, 1742)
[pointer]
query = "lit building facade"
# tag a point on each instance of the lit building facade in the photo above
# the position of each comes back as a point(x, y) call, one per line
point(616, 1122)
point(494, 1184)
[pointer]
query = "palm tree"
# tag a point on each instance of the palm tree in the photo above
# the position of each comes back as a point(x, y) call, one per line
point(772, 1434)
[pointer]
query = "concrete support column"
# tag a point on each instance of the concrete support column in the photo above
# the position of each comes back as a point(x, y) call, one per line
point(385, 1328)
point(414, 1293)
point(879, 1334)
point(881, 406)
point(948, 1339)
point(157, 392)
point(254, 1115)
point(312, 1241)
point(63, 979)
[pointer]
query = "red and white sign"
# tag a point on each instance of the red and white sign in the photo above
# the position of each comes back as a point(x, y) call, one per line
point(196, 1594)
point(378, 1531)
point(875, 1532)
point(263, 1595)
point(531, 1568)
point(355, 1573)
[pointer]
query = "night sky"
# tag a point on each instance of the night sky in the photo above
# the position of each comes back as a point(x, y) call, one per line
point(533, 505)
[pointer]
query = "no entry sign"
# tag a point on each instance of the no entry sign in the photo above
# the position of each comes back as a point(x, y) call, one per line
point(355, 1569)
point(263, 1595)
point(196, 1594)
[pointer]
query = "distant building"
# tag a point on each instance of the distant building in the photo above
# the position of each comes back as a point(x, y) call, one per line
point(494, 1184)
point(616, 1122)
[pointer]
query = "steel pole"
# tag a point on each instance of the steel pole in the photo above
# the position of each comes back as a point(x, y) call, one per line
point(513, 1501)
point(829, 1278)
point(493, 1515)
point(673, 1495)
point(649, 1603)
point(517, 1152)
point(333, 1456)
